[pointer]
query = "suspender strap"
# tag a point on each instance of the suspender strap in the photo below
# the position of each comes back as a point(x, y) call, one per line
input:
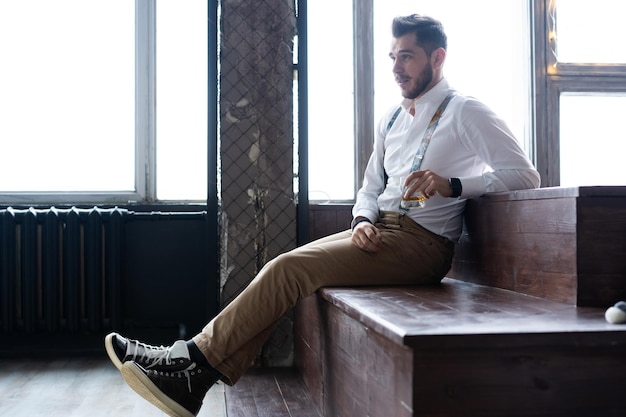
point(421, 150)
point(393, 119)
point(417, 161)
point(391, 122)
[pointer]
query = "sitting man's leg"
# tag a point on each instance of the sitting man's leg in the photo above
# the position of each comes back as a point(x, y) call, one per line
point(229, 343)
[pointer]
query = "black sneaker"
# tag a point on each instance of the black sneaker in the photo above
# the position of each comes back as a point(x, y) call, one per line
point(121, 349)
point(177, 393)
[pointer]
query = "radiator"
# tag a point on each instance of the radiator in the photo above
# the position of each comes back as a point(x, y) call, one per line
point(60, 269)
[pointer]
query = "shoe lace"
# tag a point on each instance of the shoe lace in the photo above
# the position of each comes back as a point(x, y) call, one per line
point(153, 355)
point(187, 375)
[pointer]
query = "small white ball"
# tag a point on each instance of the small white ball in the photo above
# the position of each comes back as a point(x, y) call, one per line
point(615, 315)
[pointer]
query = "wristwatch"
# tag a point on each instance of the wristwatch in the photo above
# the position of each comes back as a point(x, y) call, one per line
point(456, 186)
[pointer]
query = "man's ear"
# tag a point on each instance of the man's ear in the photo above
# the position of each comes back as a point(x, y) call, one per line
point(438, 57)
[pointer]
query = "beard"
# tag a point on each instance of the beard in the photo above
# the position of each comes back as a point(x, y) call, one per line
point(420, 84)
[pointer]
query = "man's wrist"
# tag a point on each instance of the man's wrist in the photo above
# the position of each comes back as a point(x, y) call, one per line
point(456, 186)
point(357, 220)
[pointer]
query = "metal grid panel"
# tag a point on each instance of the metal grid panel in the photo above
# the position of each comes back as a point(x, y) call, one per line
point(258, 218)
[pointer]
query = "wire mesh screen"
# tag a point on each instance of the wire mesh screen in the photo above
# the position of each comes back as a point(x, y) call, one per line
point(258, 219)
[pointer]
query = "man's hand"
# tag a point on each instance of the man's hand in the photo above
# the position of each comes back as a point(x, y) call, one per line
point(367, 237)
point(428, 183)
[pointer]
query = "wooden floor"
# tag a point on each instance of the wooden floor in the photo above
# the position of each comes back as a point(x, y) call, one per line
point(277, 392)
point(93, 387)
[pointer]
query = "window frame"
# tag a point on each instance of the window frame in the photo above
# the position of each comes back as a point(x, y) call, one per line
point(145, 129)
point(551, 80)
point(363, 38)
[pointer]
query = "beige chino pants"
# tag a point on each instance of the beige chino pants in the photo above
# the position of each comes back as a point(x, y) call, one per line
point(410, 255)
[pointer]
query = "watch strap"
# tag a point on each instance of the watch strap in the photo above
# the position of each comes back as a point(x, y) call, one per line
point(457, 188)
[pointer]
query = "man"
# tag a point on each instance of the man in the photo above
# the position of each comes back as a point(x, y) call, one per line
point(463, 151)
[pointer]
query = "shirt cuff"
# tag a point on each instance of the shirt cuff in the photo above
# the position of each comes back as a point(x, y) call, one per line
point(358, 220)
point(365, 212)
point(473, 187)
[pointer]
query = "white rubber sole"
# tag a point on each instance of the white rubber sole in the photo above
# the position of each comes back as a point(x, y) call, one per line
point(108, 344)
point(141, 384)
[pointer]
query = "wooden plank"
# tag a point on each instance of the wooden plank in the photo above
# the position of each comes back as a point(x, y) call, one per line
point(364, 372)
point(468, 313)
point(542, 381)
point(559, 192)
point(308, 346)
point(294, 393)
point(269, 392)
point(326, 219)
point(564, 245)
point(545, 216)
point(527, 246)
point(602, 235)
point(601, 250)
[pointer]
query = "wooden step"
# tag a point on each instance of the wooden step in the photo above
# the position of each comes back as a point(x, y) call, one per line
point(458, 349)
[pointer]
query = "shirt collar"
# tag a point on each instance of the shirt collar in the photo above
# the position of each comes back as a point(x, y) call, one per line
point(435, 94)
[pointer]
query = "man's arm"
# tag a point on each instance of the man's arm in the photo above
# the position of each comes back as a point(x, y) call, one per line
point(488, 136)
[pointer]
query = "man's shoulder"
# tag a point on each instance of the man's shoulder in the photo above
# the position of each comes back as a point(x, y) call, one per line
point(469, 105)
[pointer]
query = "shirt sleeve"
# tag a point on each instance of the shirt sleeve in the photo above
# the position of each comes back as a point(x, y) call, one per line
point(488, 137)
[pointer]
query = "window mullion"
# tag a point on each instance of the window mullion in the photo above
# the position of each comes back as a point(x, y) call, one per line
point(363, 15)
point(145, 99)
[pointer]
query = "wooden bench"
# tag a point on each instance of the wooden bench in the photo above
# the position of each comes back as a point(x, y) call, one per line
point(519, 331)
point(563, 244)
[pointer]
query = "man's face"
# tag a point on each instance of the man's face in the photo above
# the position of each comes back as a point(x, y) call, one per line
point(411, 66)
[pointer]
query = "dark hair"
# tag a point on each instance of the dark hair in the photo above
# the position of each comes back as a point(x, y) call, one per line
point(429, 33)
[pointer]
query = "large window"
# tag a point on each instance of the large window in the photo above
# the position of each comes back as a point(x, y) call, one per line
point(331, 100)
point(488, 57)
point(582, 92)
point(79, 119)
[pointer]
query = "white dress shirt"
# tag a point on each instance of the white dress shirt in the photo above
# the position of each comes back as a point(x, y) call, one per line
point(471, 143)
